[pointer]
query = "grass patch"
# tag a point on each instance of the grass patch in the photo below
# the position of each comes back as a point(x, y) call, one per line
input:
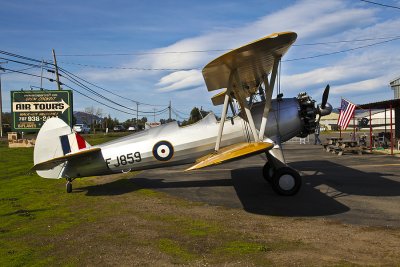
point(173, 249)
point(33, 209)
point(243, 248)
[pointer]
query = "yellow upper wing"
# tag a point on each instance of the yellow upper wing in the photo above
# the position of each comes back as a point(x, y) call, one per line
point(252, 61)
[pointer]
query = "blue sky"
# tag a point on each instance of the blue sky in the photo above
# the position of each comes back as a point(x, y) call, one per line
point(147, 29)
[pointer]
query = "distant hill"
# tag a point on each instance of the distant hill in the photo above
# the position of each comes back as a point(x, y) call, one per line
point(83, 117)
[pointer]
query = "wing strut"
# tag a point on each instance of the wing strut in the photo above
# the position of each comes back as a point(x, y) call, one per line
point(269, 88)
point(224, 111)
point(244, 106)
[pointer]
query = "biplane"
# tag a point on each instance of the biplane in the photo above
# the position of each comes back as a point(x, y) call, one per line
point(246, 77)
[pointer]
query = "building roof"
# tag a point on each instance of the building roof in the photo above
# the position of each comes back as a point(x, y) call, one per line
point(394, 80)
point(332, 116)
point(395, 103)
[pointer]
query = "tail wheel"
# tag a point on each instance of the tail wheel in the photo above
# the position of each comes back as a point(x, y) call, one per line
point(268, 171)
point(286, 181)
point(69, 187)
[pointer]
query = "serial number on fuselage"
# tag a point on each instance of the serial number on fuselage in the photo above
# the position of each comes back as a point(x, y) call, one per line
point(125, 159)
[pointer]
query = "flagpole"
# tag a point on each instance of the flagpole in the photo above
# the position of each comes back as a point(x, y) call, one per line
point(391, 131)
point(354, 125)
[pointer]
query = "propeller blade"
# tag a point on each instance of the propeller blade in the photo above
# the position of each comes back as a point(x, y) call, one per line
point(325, 97)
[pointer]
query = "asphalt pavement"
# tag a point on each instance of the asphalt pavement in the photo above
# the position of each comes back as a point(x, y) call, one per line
point(354, 189)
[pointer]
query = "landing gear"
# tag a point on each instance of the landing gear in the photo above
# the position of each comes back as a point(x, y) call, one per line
point(286, 181)
point(268, 171)
point(69, 185)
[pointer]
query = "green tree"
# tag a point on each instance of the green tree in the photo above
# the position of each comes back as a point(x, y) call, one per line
point(195, 116)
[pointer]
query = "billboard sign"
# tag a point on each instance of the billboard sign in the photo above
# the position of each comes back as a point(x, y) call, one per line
point(30, 109)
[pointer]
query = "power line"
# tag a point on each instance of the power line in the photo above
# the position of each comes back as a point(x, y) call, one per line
point(379, 4)
point(29, 74)
point(201, 51)
point(78, 83)
point(347, 41)
point(20, 57)
point(142, 53)
point(93, 92)
point(104, 104)
point(8, 72)
point(295, 59)
point(106, 90)
point(341, 51)
point(124, 68)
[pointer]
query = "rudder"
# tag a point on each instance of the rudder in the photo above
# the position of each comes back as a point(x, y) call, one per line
point(54, 140)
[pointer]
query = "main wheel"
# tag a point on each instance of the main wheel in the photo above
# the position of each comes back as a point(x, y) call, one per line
point(268, 171)
point(286, 181)
point(69, 187)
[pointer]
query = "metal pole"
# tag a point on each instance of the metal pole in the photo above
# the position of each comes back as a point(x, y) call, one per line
point(169, 107)
point(137, 116)
point(41, 76)
point(385, 125)
point(1, 111)
point(1, 105)
point(56, 70)
point(354, 125)
point(370, 131)
point(340, 127)
point(391, 131)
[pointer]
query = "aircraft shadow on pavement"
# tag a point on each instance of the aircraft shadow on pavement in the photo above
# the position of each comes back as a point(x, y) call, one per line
point(348, 180)
point(255, 195)
point(339, 181)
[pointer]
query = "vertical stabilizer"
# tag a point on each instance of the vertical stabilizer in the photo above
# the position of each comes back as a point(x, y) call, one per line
point(55, 139)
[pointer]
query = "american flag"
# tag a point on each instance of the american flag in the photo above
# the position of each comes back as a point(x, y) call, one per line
point(346, 112)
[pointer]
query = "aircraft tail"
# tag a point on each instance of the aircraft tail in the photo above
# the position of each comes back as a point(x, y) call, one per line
point(55, 139)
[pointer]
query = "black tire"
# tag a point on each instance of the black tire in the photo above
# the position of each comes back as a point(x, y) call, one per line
point(268, 172)
point(69, 187)
point(286, 181)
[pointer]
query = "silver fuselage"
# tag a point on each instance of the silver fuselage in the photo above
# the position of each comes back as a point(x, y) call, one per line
point(170, 144)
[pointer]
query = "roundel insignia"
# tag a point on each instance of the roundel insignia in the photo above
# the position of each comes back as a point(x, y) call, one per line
point(163, 151)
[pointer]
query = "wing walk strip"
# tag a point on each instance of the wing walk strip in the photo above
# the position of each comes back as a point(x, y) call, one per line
point(229, 153)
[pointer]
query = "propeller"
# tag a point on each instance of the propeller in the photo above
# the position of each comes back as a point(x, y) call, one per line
point(325, 96)
point(324, 108)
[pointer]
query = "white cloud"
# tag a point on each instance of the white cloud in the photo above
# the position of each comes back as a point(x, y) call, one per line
point(180, 80)
point(356, 73)
point(308, 18)
point(361, 86)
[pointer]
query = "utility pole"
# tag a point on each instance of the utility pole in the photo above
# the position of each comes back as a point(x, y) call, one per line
point(56, 70)
point(137, 116)
point(41, 75)
point(1, 104)
point(169, 107)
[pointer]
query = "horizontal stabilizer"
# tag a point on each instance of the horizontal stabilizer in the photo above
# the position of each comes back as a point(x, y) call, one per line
point(49, 164)
point(229, 153)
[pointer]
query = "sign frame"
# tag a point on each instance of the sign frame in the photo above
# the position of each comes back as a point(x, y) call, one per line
point(36, 106)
